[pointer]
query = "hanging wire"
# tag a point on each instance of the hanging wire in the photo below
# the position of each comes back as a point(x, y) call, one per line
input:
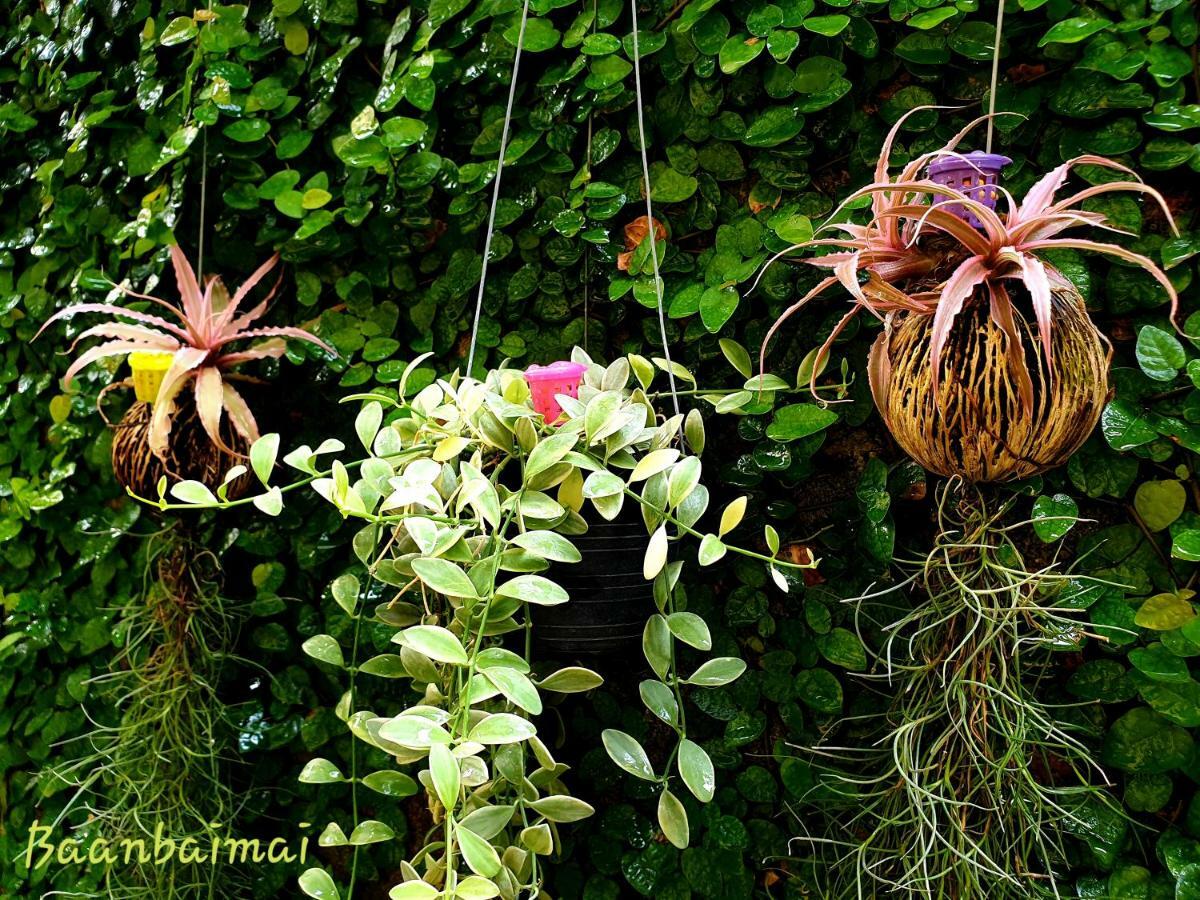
point(203, 200)
point(491, 223)
point(995, 72)
point(203, 182)
point(658, 293)
point(587, 247)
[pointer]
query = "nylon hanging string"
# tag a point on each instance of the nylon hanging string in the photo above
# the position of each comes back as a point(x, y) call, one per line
point(995, 72)
point(658, 294)
point(203, 210)
point(491, 222)
point(203, 189)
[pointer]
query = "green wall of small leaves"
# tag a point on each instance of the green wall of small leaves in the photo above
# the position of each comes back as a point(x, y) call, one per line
point(361, 139)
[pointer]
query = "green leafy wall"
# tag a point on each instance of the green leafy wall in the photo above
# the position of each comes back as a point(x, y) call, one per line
point(361, 138)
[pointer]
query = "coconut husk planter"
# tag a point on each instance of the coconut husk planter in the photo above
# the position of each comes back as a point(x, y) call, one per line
point(989, 367)
point(191, 455)
point(988, 419)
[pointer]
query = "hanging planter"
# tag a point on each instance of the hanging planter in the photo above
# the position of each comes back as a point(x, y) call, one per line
point(989, 367)
point(547, 382)
point(993, 413)
point(610, 599)
point(188, 422)
point(975, 174)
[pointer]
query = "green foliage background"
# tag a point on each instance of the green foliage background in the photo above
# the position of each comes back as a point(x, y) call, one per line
point(360, 138)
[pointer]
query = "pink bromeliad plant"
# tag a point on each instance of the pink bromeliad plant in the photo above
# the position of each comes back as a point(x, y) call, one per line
point(197, 335)
point(919, 255)
point(988, 368)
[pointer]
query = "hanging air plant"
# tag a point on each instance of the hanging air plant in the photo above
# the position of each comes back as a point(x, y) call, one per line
point(189, 423)
point(988, 369)
point(989, 366)
point(969, 782)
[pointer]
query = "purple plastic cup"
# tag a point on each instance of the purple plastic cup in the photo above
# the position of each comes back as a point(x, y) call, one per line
point(546, 382)
point(975, 174)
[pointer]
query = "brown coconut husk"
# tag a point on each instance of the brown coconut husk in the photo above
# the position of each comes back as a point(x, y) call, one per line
point(978, 426)
point(191, 454)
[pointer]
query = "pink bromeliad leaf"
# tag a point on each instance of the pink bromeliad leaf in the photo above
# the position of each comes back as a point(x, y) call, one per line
point(225, 321)
point(882, 201)
point(1096, 190)
point(821, 287)
point(239, 413)
point(959, 286)
point(1037, 282)
point(879, 370)
point(210, 403)
point(1119, 252)
point(1039, 198)
point(846, 272)
point(114, 310)
point(189, 289)
point(101, 351)
point(286, 331)
point(943, 220)
point(272, 349)
point(155, 339)
point(827, 345)
point(183, 365)
point(1001, 312)
point(1053, 223)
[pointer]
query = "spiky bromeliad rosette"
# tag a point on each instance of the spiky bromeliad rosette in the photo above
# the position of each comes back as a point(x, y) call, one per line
point(989, 366)
point(189, 421)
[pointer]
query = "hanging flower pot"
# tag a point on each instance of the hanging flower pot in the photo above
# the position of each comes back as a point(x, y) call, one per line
point(997, 409)
point(610, 597)
point(975, 174)
point(148, 368)
point(189, 423)
point(989, 367)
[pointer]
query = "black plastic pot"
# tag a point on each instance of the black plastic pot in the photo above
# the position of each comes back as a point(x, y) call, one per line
point(610, 600)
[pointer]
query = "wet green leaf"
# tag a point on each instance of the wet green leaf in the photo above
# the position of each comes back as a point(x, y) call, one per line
point(1144, 741)
point(1054, 516)
point(628, 754)
point(1072, 31)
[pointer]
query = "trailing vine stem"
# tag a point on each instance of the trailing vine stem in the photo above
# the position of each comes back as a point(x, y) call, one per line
point(218, 503)
point(352, 673)
point(741, 551)
point(462, 702)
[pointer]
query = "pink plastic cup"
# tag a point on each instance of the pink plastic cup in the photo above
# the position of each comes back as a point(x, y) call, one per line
point(545, 382)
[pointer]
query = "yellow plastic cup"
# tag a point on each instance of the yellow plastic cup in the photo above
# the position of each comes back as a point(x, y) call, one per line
point(149, 367)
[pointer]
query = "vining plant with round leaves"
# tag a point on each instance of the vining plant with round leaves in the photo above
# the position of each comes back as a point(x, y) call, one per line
point(466, 498)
